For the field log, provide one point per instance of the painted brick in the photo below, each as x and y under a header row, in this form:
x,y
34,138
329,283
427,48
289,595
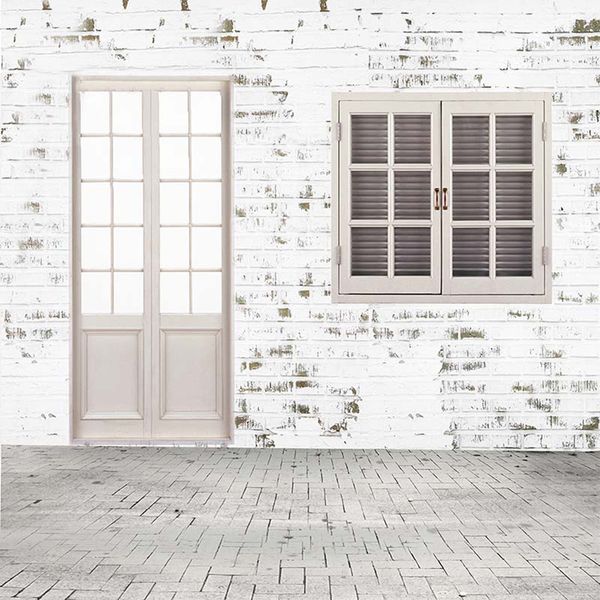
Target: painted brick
x,y
310,373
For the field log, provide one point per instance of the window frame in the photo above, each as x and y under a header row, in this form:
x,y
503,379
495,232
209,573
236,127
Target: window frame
x,y
340,262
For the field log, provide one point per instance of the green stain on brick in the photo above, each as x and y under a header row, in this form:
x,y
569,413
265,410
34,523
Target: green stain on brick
x,y
561,168
227,26
88,24
254,365
521,426
284,313
468,332
591,424
352,407
304,294
583,26
304,206
304,384
521,387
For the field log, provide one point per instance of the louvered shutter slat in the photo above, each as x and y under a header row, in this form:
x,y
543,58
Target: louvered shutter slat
x,y
513,252
412,139
471,196
369,251
514,193
369,195
470,252
470,140
513,139
369,139
412,251
412,193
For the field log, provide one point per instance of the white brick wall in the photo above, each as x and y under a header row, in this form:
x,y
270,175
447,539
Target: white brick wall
x,y
309,373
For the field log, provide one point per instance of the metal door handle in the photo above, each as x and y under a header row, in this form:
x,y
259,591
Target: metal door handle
x,y
436,203
445,202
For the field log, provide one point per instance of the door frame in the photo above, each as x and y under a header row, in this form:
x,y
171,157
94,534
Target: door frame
x,y
140,82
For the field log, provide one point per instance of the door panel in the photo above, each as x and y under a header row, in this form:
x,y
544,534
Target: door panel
x,y
390,229
151,260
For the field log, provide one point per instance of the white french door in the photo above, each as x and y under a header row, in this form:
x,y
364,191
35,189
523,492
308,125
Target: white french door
x,y
151,259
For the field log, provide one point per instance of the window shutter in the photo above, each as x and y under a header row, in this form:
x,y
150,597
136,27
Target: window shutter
x,y
389,165
494,225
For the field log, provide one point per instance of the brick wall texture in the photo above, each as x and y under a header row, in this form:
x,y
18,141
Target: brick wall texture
x,y
308,372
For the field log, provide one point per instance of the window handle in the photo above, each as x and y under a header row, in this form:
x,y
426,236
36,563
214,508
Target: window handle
x,y
445,202
436,203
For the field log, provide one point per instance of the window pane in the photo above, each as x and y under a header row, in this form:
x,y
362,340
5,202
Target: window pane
x,y
206,112
95,203
470,140
95,248
514,193
172,112
127,158
514,139
412,139
127,112
206,248
412,194
95,158
174,248
174,292
206,158
206,203
369,194
128,247
471,196
129,293
206,293
174,203
412,251
174,160
470,252
95,293
369,251
128,203
94,112
513,252
369,139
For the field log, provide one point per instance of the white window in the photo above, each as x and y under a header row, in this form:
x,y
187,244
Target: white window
x,y
441,197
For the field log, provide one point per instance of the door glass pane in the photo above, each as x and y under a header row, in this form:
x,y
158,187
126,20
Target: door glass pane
x,y
412,251
128,247
174,292
206,158
95,293
206,292
369,139
369,194
369,251
128,203
513,252
95,248
129,293
174,203
127,112
206,248
173,112
471,196
470,252
174,248
95,203
95,158
470,140
94,112
174,159
206,203
127,158
206,112
412,139
412,194
514,139
514,193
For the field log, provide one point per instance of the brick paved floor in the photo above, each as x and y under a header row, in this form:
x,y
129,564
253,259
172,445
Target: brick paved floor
x,y
187,523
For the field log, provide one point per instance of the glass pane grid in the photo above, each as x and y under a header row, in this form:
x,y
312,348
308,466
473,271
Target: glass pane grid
x,y
111,213
190,203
